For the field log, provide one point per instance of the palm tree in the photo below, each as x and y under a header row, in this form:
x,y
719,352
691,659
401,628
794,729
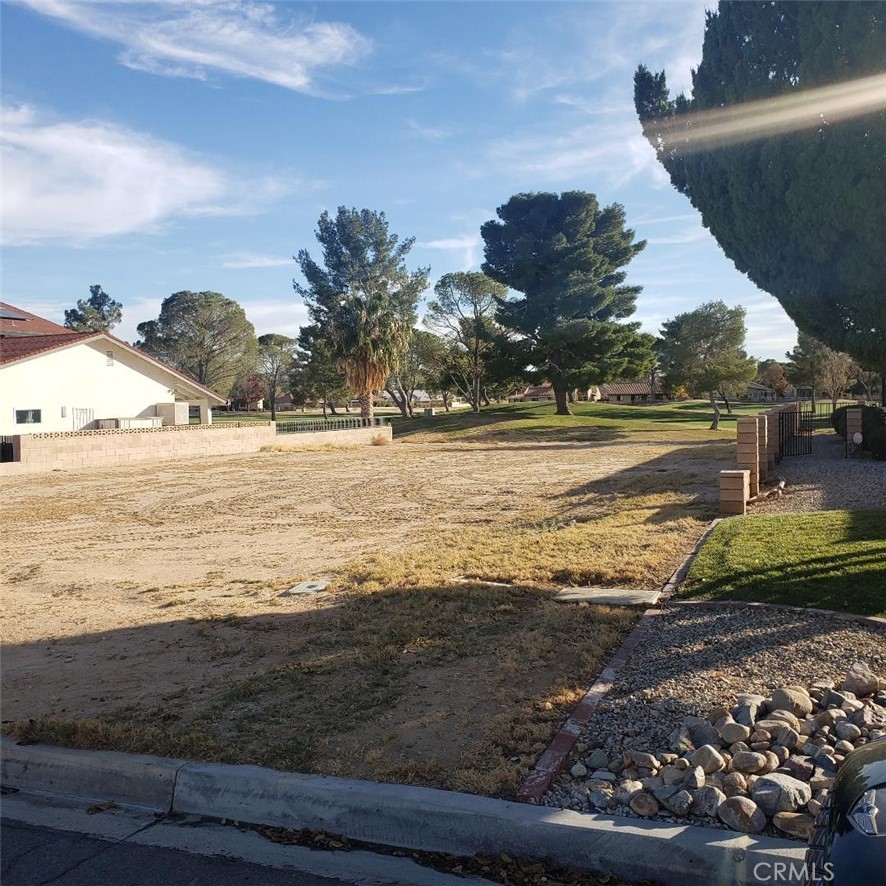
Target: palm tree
x,y
362,298
368,336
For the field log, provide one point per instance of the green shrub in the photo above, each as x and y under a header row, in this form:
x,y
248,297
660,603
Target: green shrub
x,y
873,428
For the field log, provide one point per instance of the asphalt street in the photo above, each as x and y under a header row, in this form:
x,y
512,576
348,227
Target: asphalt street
x,y
39,856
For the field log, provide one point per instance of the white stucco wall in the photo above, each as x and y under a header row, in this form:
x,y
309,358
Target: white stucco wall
x,y
76,378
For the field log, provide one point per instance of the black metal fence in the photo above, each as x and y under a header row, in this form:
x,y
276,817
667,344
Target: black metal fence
x,y
7,453
794,433
327,424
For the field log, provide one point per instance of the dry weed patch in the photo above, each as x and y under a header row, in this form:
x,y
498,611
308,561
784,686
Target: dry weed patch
x,y
160,628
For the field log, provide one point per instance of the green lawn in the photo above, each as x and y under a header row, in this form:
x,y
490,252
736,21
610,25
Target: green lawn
x,y
829,560
590,421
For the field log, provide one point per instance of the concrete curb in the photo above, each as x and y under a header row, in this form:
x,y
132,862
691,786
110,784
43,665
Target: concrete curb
x,y
146,782
403,816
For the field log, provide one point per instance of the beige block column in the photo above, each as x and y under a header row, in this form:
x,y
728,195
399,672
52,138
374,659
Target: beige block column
x,y
749,450
763,445
734,491
772,439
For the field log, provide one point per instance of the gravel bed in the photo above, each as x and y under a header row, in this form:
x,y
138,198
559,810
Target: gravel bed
x,y
826,481
700,657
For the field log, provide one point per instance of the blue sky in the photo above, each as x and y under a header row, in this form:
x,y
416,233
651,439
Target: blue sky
x,y
182,144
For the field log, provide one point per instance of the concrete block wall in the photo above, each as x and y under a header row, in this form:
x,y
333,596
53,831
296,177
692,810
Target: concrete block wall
x,y
80,450
748,455
734,491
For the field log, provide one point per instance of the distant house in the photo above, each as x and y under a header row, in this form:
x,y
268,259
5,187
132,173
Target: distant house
x,y
758,393
627,392
75,381
537,393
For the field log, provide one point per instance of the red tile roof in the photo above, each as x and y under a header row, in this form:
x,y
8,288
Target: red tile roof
x,y
18,347
626,387
27,323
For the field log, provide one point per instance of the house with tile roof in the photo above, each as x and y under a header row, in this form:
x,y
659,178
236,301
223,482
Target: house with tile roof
x,y
53,379
628,392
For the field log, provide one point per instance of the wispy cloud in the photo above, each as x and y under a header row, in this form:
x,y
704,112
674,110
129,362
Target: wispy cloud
x,y
80,181
429,133
192,38
238,260
614,151
691,234
467,246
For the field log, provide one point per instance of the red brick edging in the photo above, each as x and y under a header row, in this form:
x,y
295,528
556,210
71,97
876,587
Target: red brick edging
x,y
553,759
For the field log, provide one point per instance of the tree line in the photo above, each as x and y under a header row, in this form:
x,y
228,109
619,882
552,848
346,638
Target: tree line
x,y
550,304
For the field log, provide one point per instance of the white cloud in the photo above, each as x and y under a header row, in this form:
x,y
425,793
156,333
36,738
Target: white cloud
x,y
189,38
85,180
614,151
429,133
466,246
238,260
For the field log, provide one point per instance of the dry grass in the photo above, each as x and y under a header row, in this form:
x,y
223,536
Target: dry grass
x,y
165,632
362,689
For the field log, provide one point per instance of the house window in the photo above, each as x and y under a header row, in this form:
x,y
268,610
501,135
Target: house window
x,y
64,411
110,356
27,416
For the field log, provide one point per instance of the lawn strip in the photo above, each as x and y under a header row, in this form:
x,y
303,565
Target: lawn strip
x,y
826,560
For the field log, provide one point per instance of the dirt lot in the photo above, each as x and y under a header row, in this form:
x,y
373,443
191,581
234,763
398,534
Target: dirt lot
x,y
141,605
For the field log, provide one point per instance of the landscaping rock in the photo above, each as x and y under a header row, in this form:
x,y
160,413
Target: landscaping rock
x,y
579,770
797,824
644,805
602,775
741,814
792,698
872,716
748,762
799,767
709,758
598,759
706,801
785,717
846,730
860,680
732,732
694,778
778,792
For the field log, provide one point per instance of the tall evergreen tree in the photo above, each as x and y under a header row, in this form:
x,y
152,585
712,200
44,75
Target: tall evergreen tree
x,y
362,298
96,314
565,256
792,186
203,334
703,351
